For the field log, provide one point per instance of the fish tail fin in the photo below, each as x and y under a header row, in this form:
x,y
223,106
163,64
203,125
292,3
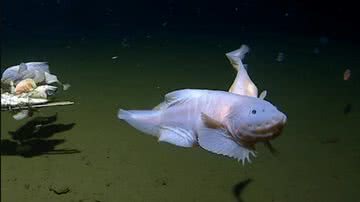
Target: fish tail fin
x,y
242,85
237,55
147,121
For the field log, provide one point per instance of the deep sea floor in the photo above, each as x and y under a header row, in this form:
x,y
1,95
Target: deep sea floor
x,y
87,154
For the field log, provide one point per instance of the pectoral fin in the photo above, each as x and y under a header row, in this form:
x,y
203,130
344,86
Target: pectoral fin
x,y
211,123
177,136
66,86
217,141
182,96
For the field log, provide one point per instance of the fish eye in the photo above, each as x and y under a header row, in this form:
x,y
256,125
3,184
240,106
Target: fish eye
x,y
253,111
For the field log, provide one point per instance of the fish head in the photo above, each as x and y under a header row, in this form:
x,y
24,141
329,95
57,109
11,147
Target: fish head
x,y
255,120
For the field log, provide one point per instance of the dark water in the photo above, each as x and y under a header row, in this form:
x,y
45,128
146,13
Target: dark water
x,y
89,155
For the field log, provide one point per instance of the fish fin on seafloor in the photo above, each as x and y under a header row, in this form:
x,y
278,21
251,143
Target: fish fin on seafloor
x,y
66,86
22,115
177,136
22,68
217,141
181,96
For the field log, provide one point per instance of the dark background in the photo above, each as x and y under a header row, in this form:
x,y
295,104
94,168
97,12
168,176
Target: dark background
x,y
330,18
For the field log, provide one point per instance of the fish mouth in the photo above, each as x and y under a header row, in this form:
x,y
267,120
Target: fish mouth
x,y
274,129
262,134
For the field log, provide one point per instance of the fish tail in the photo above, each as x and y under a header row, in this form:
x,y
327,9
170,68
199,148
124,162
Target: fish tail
x,y
147,121
237,55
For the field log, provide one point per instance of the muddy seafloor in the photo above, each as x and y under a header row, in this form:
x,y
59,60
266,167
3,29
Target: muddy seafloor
x,y
87,154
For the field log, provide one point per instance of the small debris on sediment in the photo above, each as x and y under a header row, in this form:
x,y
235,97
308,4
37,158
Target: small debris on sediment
x,y
280,57
163,181
59,190
88,163
347,74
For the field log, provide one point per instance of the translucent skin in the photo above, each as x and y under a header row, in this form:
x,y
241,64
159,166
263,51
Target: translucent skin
x,y
218,121
246,118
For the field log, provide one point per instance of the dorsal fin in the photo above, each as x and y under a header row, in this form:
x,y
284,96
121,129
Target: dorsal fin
x,y
179,97
263,95
160,106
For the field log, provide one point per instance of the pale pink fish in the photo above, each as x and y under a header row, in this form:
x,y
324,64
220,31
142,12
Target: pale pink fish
x,y
218,121
227,123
